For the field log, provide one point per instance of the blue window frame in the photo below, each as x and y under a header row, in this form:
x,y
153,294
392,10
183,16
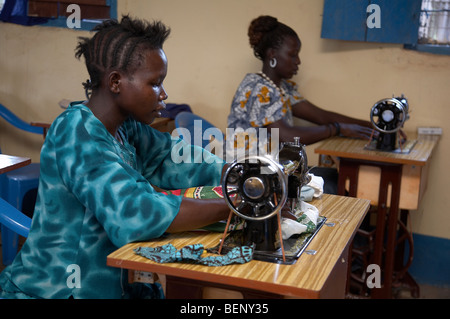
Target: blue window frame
x,y
398,22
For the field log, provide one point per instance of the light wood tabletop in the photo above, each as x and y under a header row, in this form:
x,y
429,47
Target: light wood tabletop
x,y
355,148
415,166
323,274
9,162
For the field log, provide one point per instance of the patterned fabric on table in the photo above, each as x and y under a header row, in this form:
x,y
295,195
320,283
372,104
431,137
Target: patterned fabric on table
x,y
193,253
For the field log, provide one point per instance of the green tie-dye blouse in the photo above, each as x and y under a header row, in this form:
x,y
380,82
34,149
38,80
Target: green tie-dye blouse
x,y
94,196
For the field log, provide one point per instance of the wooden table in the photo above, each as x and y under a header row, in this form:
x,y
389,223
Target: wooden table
x,y
9,162
414,167
163,124
322,275
391,181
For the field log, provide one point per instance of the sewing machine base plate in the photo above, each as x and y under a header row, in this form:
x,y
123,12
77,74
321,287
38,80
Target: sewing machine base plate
x,y
293,246
406,149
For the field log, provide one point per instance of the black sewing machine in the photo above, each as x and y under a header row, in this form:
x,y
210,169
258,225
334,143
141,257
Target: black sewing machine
x,y
256,189
388,117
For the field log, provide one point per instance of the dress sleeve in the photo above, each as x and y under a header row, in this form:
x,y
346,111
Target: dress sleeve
x,y
171,163
293,93
123,201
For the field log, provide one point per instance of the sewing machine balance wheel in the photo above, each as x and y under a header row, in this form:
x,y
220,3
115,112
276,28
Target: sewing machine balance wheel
x,y
255,188
388,115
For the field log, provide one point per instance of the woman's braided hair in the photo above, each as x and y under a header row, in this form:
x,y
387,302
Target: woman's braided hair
x,y
118,46
267,32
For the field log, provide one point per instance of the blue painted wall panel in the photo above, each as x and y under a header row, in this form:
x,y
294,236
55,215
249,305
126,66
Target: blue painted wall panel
x,y
344,20
399,22
347,20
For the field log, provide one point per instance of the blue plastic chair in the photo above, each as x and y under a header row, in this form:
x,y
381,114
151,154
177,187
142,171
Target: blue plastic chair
x,y
19,123
14,219
15,185
16,222
198,129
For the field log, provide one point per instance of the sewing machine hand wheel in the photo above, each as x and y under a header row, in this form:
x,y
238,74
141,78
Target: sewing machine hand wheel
x,y
255,188
388,115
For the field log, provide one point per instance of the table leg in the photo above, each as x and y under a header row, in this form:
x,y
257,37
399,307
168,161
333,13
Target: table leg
x,y
387,220
348,170
402,278
386,227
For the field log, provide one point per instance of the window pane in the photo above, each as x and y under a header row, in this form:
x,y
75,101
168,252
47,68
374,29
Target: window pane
x,y
434,22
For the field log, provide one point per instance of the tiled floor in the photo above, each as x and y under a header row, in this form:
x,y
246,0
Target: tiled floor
x,y
426,291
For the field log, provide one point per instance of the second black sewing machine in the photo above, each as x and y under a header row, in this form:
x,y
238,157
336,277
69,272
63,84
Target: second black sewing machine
x,y
388,117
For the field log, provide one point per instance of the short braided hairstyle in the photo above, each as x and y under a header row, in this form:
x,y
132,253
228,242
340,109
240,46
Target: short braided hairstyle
x,y
267,32
118,46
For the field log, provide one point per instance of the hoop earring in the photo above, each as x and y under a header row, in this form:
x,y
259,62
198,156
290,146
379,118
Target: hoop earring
x,y
273,63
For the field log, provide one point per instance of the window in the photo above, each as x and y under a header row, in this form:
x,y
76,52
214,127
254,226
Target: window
x,y
434,27
80,14
435,22
418,24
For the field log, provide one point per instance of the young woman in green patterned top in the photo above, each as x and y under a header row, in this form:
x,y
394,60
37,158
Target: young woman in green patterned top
x,y
99,165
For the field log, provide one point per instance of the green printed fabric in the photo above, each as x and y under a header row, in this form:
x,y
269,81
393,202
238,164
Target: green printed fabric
x,y
193,253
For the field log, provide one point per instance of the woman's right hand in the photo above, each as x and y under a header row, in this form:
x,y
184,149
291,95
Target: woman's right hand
x,y
357,131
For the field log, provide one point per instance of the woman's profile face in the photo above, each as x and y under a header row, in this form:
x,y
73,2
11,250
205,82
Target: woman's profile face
x,y
287,56
143,92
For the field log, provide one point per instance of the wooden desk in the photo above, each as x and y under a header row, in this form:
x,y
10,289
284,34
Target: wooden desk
x,y
414,167
163,124
323,275
388,180
9,163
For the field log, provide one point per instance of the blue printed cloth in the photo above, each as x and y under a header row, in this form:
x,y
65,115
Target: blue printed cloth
x,y
193,253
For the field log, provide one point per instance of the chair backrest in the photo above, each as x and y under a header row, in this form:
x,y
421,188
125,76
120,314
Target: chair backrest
x,y
198,129
13,119
14,219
